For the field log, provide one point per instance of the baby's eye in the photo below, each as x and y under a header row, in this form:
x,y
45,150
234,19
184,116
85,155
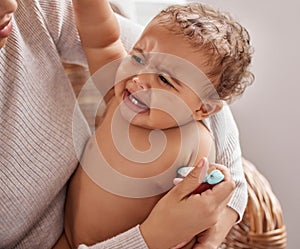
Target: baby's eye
x,y
137,59
165,81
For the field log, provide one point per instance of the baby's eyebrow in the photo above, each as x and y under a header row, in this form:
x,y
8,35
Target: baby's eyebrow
x,y
163,69
139,50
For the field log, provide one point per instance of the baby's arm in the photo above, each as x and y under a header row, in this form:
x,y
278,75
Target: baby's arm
x,y
99,32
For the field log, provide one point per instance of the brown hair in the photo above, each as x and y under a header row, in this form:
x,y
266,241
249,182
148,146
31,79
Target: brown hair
x,y
223,41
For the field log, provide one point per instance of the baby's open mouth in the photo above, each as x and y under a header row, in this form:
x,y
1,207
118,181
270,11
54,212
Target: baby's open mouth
x,y
5,24
134,103
6,29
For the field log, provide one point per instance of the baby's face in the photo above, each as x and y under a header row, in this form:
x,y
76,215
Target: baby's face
x,y
161,83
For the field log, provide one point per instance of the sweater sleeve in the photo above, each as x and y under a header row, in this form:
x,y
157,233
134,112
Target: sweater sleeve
x,y
228,153
60,21
131,239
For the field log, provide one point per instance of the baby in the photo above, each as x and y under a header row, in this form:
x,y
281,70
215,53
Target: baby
x,y
187,62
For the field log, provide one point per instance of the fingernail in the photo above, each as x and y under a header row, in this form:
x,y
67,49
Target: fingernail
x,y
184,171
177,180
202,162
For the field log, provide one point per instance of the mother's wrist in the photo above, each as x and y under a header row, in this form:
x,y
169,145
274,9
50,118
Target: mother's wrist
x,y
152,236
147,235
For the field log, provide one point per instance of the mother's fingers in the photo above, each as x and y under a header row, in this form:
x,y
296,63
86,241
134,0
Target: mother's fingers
x,y
191,181
221,193
223,169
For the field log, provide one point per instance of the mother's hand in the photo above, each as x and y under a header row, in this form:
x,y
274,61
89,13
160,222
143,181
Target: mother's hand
x,y
179,216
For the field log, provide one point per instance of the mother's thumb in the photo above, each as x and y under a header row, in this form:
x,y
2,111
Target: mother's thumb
x,y
192,180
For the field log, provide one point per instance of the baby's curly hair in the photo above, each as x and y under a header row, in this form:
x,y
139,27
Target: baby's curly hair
x,y
223,41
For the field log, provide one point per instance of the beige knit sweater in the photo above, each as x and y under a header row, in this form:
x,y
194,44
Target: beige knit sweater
x,y
38,115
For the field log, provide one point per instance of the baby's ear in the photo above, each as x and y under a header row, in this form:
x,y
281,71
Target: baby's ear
x,y
207,109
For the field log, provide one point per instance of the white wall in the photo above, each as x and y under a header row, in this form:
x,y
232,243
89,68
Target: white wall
x,y
268,114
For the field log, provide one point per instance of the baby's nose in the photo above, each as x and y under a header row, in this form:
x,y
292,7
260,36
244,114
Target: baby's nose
x,y
142,82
